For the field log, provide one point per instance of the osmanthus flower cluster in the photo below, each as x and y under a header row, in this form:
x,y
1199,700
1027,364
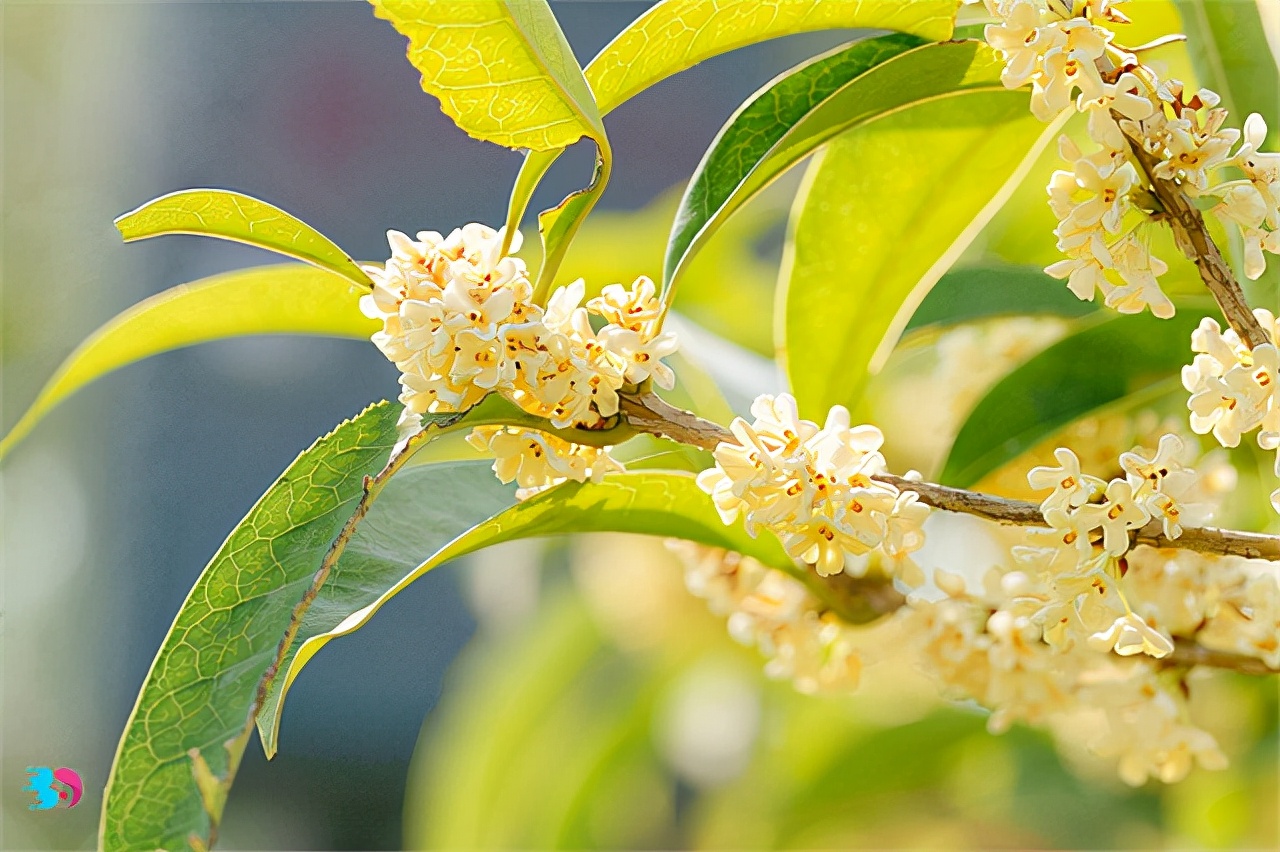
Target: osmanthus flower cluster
x,y
1067,630
1093,513
459,322
1067,52
1065,627
1233,388
800,639
1093,520
813,488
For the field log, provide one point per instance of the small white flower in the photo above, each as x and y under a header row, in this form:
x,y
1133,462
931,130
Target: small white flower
x,y
1150,473
1068,67
642,358
1139,269
1129,635
1125,97
635,309
1022,40
1071,488
1117,516
1085,276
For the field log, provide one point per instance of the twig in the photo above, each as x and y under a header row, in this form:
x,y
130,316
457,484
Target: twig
x,y
1192,236
1187,653
860,600
649,413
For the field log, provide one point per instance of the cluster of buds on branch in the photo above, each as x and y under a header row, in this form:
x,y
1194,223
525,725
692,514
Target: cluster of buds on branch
x,y
459,322
813,488
1105,201
1234,388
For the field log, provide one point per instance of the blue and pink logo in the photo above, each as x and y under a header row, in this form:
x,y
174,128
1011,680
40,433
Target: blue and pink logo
x,y
53,788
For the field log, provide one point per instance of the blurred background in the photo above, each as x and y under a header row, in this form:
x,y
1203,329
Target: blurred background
x,y
561,693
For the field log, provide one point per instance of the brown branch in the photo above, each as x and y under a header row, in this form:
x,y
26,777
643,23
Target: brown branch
x,y
650,413
1192,236
1187,653
864,599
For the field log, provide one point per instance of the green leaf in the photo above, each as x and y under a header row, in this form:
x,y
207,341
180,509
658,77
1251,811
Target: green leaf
x,y
420,511
188,730
281,299
652,502
675,35
558,226
741,159
668,504
678,34
1228,47
232,216
791,117
884,211
503,71
980,292
1106,361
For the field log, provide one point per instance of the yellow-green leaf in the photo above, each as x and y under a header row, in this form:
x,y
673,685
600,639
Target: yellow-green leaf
x,y
428,509
675,35
678,34
187,732
503,71
280,299
558,226
884,212
233,216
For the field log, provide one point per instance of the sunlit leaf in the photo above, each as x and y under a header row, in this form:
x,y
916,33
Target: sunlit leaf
x,y
503,71
558,225
658,503
1107,360
194,713
796,113
885,210
233,216
282,299
675,35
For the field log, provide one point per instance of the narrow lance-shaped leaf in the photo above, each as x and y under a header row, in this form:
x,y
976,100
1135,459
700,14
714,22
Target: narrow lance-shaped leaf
x,y
982,292
884,211
788,119
675,35
187,732
234,216
503,71
281,299
373,570
1099,365
558,226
